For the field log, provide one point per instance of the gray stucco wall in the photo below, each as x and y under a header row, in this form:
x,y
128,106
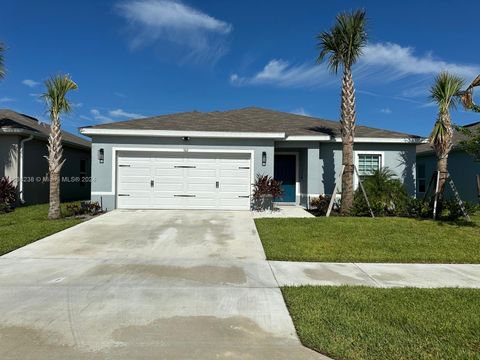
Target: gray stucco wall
x,y
9,156
319,163
102,173
463,169
400,158
35,190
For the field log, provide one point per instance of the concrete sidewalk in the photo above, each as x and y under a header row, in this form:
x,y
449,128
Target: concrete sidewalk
x,y
377,275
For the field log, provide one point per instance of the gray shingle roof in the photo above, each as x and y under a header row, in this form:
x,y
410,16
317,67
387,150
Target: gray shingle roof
x,y
250,119
13,122
457,138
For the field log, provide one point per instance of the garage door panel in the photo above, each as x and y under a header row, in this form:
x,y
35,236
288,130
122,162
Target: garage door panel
x,y
184,174
235,173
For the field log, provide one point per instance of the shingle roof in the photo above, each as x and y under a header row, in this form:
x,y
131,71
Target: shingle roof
x,y
250,119
457,138
13,122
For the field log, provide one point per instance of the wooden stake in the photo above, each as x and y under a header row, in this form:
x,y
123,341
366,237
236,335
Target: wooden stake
x,y
363,191
335,189
436,196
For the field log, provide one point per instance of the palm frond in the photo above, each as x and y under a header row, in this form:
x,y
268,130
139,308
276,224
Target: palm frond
x,y
445,90
55,97
344,43
467,96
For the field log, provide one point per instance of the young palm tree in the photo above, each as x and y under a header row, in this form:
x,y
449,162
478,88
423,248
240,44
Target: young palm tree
x,y
57,103
343,46
2,64
445,93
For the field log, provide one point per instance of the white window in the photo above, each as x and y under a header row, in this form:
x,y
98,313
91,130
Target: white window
x,y
367,164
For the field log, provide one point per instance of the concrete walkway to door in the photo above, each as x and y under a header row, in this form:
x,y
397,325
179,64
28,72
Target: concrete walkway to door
x,y
146,285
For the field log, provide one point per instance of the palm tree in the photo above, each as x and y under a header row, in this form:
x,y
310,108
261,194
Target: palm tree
x,y
343,46
57,103
2,64
445,93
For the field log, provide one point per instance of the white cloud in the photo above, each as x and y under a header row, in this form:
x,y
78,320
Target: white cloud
x,y
6,99
402,61
119,94
153,21
281,73
98,116
30,83
300,111
386,111
380,63
37,97
122,113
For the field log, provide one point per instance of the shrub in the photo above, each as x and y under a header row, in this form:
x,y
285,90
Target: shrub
x,y
386,194
8,194
319,205
265,189
84,208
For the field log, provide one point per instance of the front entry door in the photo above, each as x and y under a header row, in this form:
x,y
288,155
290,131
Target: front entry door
x,y
285,171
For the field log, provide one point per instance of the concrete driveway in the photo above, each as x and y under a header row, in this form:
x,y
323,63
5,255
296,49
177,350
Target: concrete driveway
x,y
146,284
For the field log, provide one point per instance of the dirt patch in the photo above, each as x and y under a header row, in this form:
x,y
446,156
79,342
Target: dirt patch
x,y
19,342
203,273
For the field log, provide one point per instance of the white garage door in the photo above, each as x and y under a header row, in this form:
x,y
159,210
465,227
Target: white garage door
x,y
183,181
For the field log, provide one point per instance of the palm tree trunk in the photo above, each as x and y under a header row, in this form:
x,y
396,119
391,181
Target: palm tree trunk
x,y
348,132
55,164
443,149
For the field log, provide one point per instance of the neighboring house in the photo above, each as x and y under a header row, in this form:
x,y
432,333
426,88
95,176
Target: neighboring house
x,y
23,145
198,160
463,168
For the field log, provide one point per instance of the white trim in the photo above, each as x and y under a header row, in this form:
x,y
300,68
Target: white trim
x,y
297,174
386,140
115,150
308,138
176,133
366,152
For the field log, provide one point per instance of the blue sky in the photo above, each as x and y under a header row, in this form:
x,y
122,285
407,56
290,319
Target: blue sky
x,y
136,58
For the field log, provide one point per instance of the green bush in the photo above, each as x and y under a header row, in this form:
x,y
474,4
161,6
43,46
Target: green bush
x,y
386,194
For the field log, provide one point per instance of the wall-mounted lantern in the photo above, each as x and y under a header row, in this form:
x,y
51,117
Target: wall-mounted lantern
x,y
101,156
264,158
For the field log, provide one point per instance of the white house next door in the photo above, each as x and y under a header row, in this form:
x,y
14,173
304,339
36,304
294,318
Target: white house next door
x,y
171,180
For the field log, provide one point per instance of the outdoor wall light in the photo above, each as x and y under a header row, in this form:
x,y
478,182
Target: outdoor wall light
x,y
101,156
264,158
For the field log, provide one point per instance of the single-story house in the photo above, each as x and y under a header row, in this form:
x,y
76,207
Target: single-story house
x,y
463,169
23,145
208,160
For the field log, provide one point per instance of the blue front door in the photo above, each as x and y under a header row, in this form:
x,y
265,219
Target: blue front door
x,y
284,171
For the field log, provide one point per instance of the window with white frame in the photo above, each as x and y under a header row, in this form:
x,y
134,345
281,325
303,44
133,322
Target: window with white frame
x,y
368,164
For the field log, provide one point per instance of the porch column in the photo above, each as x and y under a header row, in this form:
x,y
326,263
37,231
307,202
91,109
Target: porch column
x,y
314,170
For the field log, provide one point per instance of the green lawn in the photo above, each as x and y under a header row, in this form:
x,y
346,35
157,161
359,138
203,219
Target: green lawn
x,y
349,239
353,323
28,224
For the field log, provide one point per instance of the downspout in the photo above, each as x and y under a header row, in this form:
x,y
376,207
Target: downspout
x,y
20,181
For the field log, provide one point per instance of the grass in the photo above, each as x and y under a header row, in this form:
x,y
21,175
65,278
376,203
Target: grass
x,y
343,239
405,323
28,224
